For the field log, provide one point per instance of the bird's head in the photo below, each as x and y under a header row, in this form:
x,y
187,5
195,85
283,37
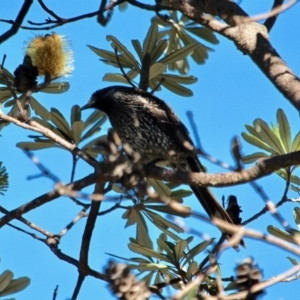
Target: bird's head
x,y
101,100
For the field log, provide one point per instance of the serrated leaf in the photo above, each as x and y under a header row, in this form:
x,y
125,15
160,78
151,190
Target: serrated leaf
x,y
16,286
296,143
36,145
142,234
297,216
150,40
77,128
248,159
147,252
268,136
179,54
176,88
60,122
256,142
158,50
121,48
156,69
75,114
5,278
283,235
284,129
179,249
159,187
56,88
138,48
293,261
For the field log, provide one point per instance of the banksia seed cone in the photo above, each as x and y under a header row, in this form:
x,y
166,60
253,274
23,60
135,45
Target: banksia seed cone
x,y
124,284
247,276
51,54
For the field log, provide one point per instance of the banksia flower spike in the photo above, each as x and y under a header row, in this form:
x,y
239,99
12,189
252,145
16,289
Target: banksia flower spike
x,y
52,55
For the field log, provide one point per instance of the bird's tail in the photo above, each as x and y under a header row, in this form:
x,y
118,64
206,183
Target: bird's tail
x,y
210,204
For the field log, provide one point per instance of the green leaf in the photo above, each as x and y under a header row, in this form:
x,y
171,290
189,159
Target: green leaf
x,y
252,131
16,286
56,88
164,246
150,40
111,57
94,142
179,54
37,145
77,128
293,261
296,143
148,252
160,221
121,48
8,75
158,50
268,136
176,88
75,114
95,129
179,249
297,216
138,48
203,33
142,234
256,142
5,278
284,130
169,210
198,249
192,269
115,77
181,193
93,117
180,78
3,179
280,234
5,94
159,187
248,159
156,69
60,122
39,109
131,216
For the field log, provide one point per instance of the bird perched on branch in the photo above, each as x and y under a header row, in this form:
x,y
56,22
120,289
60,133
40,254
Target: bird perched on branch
x,y
150,128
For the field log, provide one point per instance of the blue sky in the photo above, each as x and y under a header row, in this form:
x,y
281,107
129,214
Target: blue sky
x,y
230,92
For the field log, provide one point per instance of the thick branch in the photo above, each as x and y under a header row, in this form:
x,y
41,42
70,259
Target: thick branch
x,y
262,168
250,37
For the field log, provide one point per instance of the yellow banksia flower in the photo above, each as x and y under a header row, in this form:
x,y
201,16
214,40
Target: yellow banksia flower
x,y
52,55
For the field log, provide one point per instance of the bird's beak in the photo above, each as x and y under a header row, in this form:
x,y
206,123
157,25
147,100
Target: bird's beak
x,y
88,105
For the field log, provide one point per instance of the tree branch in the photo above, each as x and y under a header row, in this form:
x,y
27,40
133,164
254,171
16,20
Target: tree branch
x,y
18,21
250,37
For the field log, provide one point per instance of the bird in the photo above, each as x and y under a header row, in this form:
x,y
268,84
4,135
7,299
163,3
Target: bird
x,y
150,127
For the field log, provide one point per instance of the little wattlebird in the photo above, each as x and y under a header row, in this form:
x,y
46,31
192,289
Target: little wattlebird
x,y
150,128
